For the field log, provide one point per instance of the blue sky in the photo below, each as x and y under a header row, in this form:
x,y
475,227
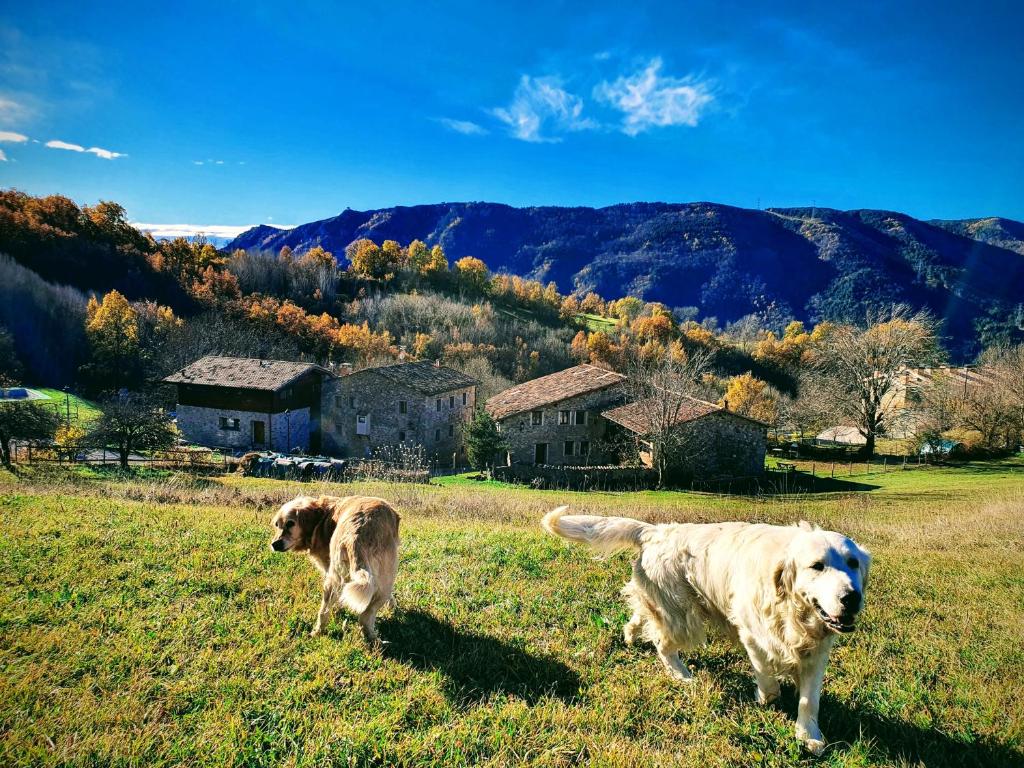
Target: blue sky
x,y
236,114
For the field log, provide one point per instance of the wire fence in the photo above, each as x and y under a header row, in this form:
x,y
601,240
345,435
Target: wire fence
x,y
180,458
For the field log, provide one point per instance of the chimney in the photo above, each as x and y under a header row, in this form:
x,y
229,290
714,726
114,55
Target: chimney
x,y
401,353
437,363
344,369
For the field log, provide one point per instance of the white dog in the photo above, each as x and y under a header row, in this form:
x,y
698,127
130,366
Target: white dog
x,y
782,592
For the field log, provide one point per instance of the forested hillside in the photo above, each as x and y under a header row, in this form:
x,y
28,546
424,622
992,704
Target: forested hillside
x,y
761,268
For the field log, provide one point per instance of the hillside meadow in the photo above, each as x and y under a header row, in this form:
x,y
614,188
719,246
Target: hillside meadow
x,y
145,621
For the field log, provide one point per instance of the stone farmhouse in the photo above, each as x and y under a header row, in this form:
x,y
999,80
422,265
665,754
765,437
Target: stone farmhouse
x,y
556,419
713,442
417,403
581,416
243,403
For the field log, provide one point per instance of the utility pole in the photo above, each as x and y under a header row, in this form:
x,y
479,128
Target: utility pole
x,y
67,406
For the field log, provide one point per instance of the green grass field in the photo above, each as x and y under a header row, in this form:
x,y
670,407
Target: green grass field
x,y
596,322
82,410
146,622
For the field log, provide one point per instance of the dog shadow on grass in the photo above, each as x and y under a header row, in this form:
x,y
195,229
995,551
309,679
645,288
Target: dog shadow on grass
x,y
889,739
475,666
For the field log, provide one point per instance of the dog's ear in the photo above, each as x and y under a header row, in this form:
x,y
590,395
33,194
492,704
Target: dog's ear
x,y
803,525
309,513
783,576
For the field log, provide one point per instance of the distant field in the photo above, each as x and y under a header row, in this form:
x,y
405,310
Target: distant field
x,y
146,622
595,322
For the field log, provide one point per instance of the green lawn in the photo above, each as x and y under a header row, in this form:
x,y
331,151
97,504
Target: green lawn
x,y
146,622
82,410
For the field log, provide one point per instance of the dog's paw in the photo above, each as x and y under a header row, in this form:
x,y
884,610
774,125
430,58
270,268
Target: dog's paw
x,y
814,746
812,739
764,698
681,675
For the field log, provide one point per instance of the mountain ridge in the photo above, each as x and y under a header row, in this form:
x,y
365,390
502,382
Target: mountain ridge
x,y
717,260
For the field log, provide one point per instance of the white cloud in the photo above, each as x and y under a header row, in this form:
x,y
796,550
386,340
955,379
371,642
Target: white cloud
x,y
541,109
648,99
54,144
3,156
17,138
465,127
192,230
106,154
197,162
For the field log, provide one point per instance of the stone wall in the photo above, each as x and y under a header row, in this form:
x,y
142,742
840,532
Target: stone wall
x,y
585,478
201,426
377,399
522,435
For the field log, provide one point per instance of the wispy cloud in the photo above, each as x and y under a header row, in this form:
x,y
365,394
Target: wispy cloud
x,y
465,127
16,138
3,156
541,109
649,99
13,112
106,154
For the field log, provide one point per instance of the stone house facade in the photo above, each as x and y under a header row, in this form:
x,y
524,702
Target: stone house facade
x,y
710,442
243,404
418,403
556,419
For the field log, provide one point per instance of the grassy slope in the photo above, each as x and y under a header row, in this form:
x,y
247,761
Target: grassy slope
x,y
86,410
147,622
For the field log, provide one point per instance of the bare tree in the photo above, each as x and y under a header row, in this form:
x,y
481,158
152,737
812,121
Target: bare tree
x,y
1005,366
860,366
809,411
25,421
662,389
130,423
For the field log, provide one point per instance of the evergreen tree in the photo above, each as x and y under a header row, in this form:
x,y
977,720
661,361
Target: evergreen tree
x,y
483,440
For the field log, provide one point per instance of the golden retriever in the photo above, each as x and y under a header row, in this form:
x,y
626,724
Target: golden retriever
x,y
783,593
353,541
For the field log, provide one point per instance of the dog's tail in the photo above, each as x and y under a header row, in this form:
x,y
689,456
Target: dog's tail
x,y
360,586
359,590
606,534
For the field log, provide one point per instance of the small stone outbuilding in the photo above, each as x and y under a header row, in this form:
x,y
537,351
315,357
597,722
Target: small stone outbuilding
x,y
711,442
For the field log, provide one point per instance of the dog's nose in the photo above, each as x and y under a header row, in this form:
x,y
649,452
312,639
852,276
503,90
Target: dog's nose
x,y
277,545
851,602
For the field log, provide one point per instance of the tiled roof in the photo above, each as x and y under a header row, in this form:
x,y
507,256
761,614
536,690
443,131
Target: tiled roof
x,y
638,416
242,372
424,376
551,389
